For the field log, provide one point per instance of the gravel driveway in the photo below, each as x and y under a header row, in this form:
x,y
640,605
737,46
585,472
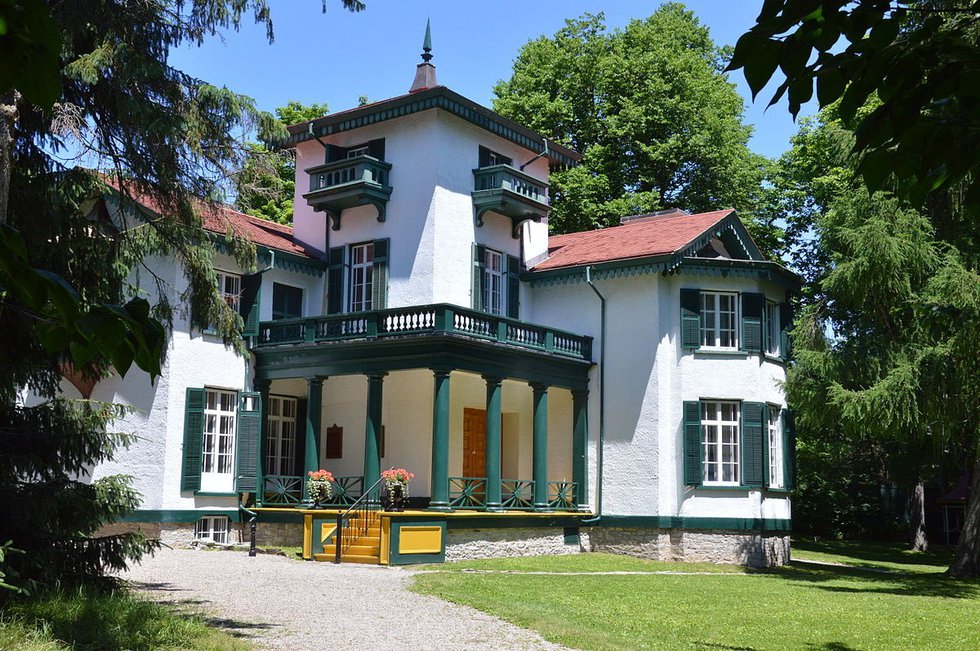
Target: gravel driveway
x,y
280,603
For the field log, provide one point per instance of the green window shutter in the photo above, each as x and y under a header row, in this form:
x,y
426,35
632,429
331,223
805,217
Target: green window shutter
x,y
248,438
785,325
379,286
753,307
335,281
690,319
479,262
190,472
250,303
513,287
376,148
753,446
693,473
300,438
789,449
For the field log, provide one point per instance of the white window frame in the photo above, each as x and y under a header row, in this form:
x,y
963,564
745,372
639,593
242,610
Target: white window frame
x,y
281,444
713,335
772,329
494,281
361,282
363,150
230,288
213,528
218,440
774,439
715,444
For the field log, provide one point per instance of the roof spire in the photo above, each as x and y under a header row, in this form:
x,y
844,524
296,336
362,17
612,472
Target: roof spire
x,y
425,72
427,43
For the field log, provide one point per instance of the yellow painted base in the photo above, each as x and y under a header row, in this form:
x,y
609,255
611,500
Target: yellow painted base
x,y
419,539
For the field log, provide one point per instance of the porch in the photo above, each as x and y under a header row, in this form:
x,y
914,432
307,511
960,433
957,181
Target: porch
x,y
490,413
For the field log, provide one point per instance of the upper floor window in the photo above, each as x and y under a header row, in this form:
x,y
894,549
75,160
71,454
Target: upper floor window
x,y
774,435
720,441
773,333
493,282
719,322
230,288
287,301
358,277
358,151
361,277
488,157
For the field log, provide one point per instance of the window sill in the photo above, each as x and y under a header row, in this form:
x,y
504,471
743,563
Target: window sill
x,y
780,491
728,489
721,352
213,494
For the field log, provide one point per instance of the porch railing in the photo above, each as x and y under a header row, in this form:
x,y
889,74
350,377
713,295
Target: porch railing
x,y
357,520
561,495
517,493
468,492
287,490
425,320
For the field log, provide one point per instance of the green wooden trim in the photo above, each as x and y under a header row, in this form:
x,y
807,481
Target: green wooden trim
x,y
692,442
779,491
721,353
214,494
290,261
192,452
396,558
438,97
177,516
696,523
494,441
439,489
754,450
512,521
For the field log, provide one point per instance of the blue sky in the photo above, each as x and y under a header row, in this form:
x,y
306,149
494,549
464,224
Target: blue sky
x,y
338,56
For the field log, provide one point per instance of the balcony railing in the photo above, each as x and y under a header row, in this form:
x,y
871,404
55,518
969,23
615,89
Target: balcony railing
x,y
509,192
505,177
425,320
358,181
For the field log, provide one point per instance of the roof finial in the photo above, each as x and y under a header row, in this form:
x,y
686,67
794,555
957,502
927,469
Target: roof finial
x,y
427,43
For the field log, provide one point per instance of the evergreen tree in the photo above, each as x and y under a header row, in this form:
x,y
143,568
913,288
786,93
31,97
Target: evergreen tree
x,y
160,138
648,107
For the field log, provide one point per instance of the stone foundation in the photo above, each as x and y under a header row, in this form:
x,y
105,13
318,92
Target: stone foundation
x,y
278,534
468,544
749,548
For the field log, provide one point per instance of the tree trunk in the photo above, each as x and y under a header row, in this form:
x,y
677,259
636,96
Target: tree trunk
x,y
966,563
917,519
8,115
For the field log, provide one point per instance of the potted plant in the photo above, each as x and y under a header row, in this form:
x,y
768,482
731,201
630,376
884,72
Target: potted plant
x,y
396,487
319,488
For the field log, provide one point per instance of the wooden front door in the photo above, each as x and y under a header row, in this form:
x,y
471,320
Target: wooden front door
x,y
474,442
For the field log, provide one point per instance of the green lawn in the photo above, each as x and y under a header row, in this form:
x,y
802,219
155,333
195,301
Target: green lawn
x,y
89,621
909,605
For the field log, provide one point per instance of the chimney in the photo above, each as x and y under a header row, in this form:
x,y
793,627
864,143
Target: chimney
x,y
425,72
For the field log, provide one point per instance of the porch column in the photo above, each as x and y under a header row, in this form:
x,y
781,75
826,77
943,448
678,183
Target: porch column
x,y
314,404
372,430
439,499
493,442
540,446
262,387
580,442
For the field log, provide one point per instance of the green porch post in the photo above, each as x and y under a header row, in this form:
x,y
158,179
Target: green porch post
x,y
540,446
439,496
372,430
493,442
262,387
314,405
580,441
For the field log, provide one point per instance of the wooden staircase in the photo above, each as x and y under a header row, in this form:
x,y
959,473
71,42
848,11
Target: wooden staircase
x,y
365,549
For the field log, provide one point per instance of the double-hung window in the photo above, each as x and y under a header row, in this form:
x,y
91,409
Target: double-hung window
x,y
773,332
720,441
719,320
281,451
361,277
493,282
230,288
775,441
218,449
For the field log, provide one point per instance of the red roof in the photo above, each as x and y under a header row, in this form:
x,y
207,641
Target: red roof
x,y
217,219
646,237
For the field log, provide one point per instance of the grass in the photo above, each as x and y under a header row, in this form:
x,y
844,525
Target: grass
x,y
91,621
801,606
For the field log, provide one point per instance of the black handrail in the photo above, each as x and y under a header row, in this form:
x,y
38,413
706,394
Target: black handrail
x,y
364,516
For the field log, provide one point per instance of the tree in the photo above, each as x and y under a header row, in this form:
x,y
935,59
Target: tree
x,y
160,138
890,390
650,110
919,58
266,184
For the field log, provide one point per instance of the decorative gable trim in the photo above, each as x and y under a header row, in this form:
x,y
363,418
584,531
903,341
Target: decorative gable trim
x,y
731,225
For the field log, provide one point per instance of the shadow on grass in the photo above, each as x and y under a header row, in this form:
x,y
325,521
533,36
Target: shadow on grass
x,y
875,552
830,646
866,580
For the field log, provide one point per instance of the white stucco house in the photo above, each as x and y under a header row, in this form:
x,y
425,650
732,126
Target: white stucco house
x,y
616,389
